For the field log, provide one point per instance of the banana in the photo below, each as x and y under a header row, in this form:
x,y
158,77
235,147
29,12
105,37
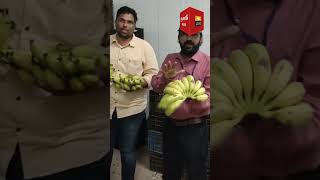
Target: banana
x,y
226,72
86,65
89,80
23,60
190,78
162,103
25,76
85,51
172,91
261,67
185,82
279,79
170,99
202,97
39,75
221,86
191,89
55,65
200,92
295,115
174,85
181,85
217,97
221,131
221,112
241,64
173,107
54,81
290,95
76,84
197,86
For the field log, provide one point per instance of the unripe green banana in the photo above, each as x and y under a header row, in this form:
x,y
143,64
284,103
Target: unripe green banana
x,y
242,66
171,99
76,84
85,51
222,111
173,107
261,67
223,69
23,59
181,85
89,80
217,97
86,65
197,86
201,91
175,85
295,115
279,79
185,82
190,78
290,95
39,75
172,91
54,81
202,97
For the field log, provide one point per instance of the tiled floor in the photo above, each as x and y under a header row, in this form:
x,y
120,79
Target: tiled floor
x,y
142,169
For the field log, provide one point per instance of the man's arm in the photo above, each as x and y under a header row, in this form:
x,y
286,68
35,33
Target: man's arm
x,y
150,66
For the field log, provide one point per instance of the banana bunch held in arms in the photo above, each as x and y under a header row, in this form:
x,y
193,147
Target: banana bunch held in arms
x,y
245,84
125,82
58,68
177,91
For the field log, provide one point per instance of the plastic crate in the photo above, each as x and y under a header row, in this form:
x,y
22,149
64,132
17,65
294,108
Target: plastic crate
x,y
155,122
155,142
156,162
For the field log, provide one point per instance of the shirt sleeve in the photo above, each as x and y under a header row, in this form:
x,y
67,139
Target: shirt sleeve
x,y
150,66
159,82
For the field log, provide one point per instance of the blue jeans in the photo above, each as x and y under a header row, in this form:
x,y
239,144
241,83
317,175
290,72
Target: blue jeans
x,y
125,131
185,145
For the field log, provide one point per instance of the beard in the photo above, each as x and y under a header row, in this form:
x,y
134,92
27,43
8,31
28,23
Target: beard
x,y
124,36
189,50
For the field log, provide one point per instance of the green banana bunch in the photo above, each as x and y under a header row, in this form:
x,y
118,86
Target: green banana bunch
x,y
177,91
124,81
58,68
245,83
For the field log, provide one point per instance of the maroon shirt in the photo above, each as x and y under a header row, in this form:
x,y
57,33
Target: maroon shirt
x,y
266,148
199,67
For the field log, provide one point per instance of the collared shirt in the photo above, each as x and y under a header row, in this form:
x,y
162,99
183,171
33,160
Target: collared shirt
x,y
269,150
199,67
55,133
137,58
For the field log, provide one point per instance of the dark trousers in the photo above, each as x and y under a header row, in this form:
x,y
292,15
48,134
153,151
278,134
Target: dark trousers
x,y
125,131
306,175
95,170
185,145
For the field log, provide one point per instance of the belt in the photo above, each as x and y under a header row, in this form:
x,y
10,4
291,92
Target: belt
x,y
190,121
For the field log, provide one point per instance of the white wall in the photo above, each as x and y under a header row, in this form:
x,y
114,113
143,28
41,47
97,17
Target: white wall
x,y
160,21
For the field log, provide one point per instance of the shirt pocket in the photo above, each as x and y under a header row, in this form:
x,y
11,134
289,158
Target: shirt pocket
x,y
134,66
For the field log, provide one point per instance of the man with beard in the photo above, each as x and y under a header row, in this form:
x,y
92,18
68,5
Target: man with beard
x,y
258,148
185,133
131,55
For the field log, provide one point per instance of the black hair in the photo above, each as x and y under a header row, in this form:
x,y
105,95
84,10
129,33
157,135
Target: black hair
x,y
127,10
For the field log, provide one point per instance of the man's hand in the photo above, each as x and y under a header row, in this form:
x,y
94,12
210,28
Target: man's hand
x,y
225,34
170,71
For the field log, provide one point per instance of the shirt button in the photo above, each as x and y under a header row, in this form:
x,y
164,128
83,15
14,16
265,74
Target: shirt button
x,y
18,98
27,28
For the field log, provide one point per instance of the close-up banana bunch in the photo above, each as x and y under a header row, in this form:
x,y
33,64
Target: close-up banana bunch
x,y
246,84
125,82
177,91
57,68
7,27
